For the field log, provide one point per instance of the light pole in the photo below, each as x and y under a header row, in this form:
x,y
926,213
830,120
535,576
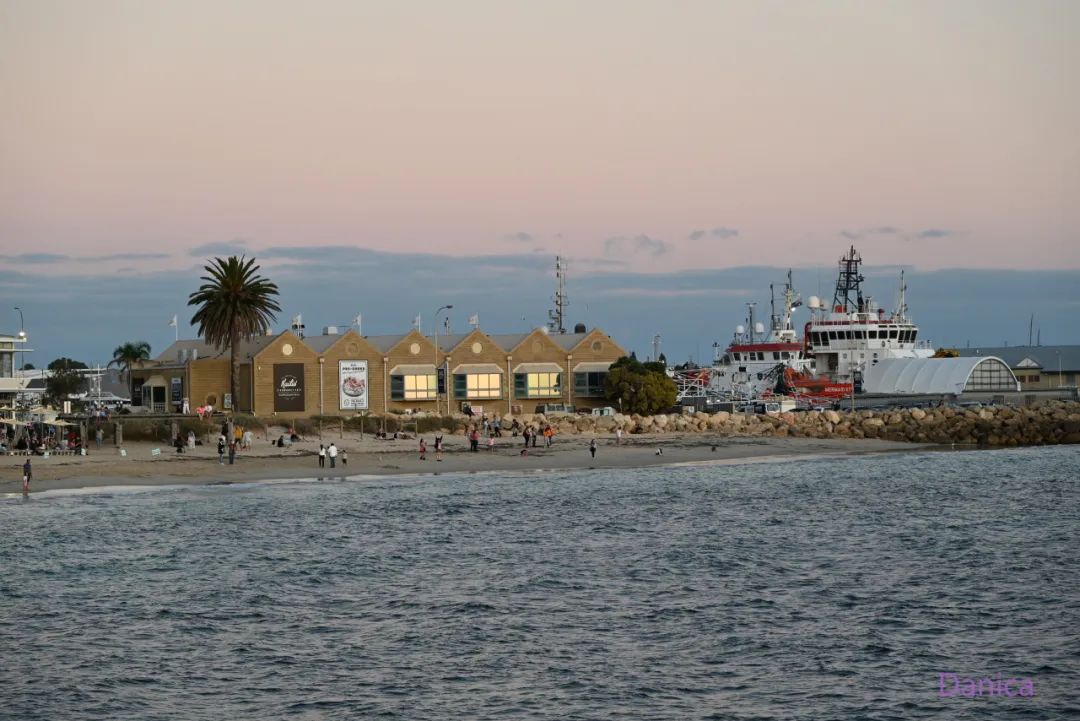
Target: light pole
x,y
22,335
440,310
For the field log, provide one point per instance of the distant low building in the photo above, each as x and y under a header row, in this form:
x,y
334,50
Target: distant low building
x,y
11,385
1040,367
346,373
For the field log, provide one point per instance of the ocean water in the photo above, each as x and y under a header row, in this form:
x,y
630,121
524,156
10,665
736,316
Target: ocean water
x,y
829,588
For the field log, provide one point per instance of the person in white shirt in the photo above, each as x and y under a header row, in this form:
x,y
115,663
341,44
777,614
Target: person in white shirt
x,y
332,452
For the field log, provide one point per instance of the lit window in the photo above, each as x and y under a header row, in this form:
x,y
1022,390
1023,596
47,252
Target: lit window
x,y
477,385
536,385
412,387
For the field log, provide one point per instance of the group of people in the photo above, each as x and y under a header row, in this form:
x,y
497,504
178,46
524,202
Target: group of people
x,y
38,444
332,453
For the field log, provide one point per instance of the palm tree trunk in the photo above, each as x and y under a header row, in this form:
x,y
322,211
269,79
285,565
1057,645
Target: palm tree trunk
x,y
234,367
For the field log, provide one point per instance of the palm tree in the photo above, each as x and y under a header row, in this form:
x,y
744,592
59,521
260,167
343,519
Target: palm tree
x,y
234,303
127,355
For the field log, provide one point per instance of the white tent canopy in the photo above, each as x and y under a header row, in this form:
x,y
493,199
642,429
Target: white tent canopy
x,y
916,376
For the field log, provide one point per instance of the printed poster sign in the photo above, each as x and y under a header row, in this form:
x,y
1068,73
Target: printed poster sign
x,y
288,387
353,385
177,387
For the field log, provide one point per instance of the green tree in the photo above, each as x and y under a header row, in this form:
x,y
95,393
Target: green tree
x,y
642,388
28,366
66,364
62,384
234,303
127,355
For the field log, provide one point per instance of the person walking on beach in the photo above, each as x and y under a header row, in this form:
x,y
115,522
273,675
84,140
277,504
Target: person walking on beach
x,y
423,449
332,453
525,434
618,436
221,449
322,456
592,448
438,448
474,440
27,476
232,453
99,436
491,441
344,457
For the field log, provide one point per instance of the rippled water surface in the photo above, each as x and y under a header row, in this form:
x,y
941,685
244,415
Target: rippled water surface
x,y
809,589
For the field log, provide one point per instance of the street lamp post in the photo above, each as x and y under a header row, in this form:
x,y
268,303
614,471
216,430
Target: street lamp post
x,y
436,316
22,335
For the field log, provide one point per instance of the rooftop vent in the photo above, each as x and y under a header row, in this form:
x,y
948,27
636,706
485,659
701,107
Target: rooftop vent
x,y
330,330
579,328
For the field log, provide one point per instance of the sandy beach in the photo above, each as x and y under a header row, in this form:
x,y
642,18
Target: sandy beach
x,y
370,456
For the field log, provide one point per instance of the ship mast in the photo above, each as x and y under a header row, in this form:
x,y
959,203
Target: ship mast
x,y
849,281
901,305
556,315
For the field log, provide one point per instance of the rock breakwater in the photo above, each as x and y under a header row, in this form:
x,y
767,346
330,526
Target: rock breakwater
x,y
1050,422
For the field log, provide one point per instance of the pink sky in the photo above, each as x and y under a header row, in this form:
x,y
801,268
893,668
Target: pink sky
x,y
446,127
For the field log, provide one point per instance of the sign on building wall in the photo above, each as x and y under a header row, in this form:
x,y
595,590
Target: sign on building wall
x,y
288,387
353,385
177,390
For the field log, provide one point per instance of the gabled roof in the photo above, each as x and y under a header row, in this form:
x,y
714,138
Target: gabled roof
x,y
248,348
1045,356
569,341
385,342
320,343
458,340
509,341
448,343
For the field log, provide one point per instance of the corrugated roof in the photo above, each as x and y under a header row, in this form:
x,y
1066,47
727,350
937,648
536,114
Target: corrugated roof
x,y
1044,356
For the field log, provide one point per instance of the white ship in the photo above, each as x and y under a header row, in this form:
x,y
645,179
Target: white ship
x,y
839,342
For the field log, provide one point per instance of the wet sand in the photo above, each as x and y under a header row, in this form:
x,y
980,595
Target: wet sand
x,y
369,456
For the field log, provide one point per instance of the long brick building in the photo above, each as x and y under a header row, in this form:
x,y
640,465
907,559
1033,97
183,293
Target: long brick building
x,y
345,373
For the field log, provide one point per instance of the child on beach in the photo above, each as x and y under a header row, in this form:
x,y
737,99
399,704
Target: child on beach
x,y
592,447
491,442
438,448
27,476
344,457
423,449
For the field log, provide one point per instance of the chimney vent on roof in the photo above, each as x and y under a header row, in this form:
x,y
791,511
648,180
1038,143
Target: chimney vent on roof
x,y
579,328
194,354
181,355
330,330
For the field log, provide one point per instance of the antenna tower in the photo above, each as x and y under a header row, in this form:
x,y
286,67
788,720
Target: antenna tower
x,y
557,314
849,281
